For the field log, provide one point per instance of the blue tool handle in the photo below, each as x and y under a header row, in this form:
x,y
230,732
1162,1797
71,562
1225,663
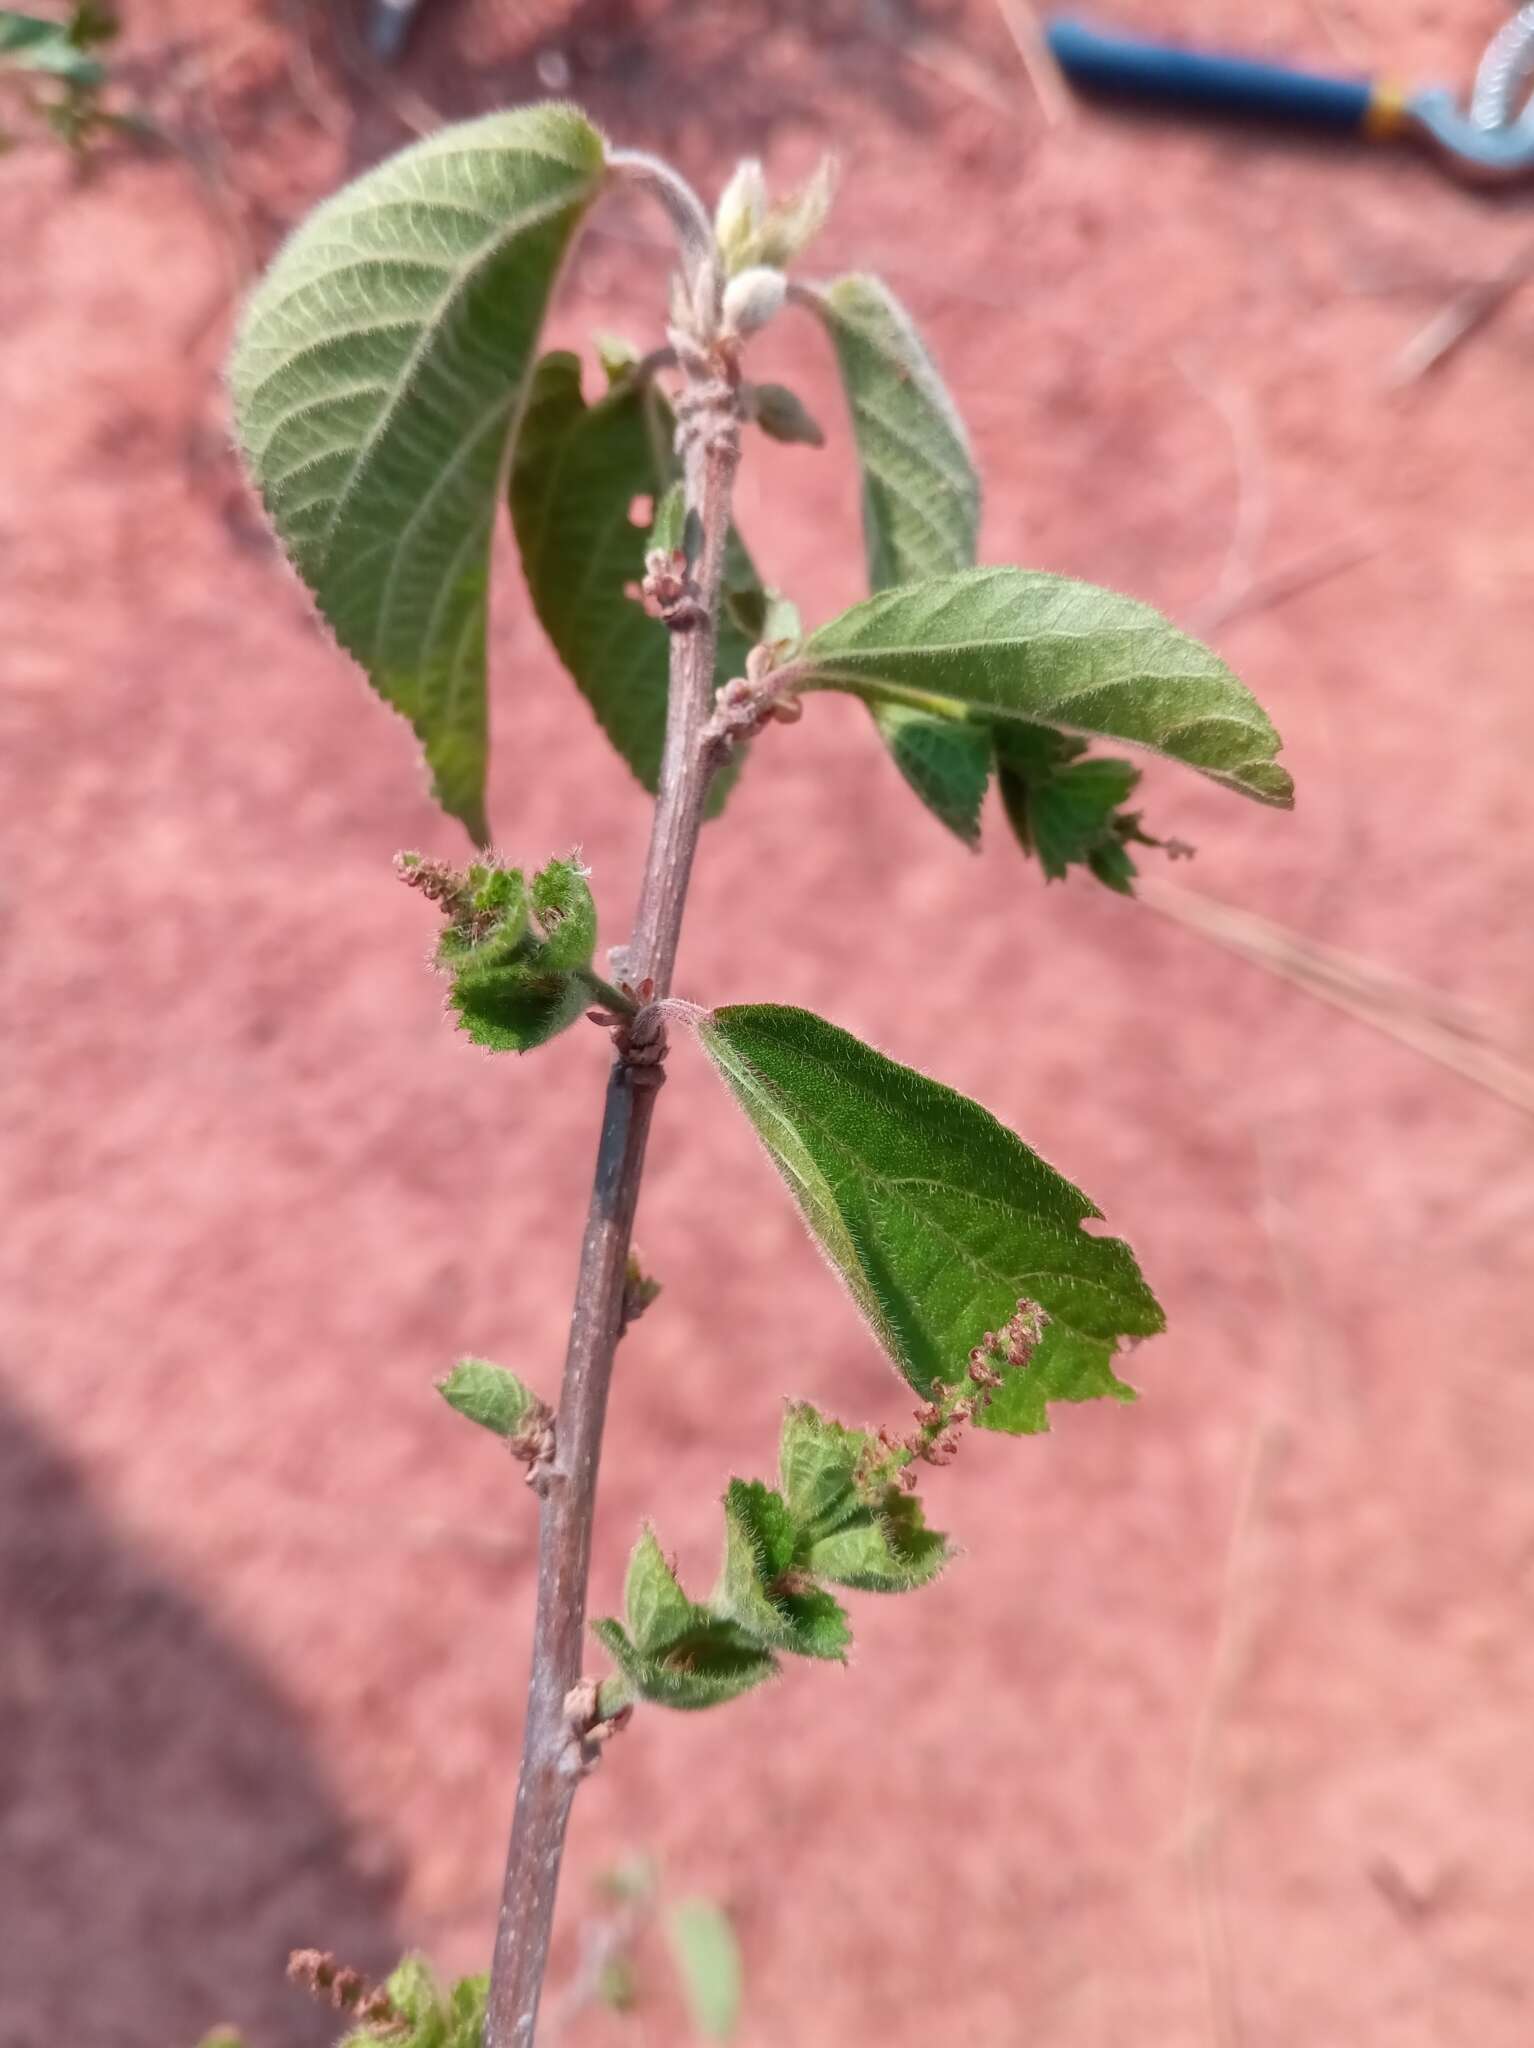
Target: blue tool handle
x,y
1159,74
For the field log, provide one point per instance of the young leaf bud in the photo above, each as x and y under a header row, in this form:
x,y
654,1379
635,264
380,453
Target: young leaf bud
x,y
739,214
752,298
794,222
783,415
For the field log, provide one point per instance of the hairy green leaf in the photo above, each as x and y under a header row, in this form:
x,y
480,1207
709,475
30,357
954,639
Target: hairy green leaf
x,y
1067,810
936,1216
1019,644
577,472
673,1651
856,1528
657,1609
707,1958
886,1548
945,760
489,1395
921,514
764,1587
378,378
819,1461
516,956
921,495
566,915
708,1663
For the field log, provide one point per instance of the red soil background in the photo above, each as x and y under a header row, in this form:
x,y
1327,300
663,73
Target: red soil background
x,y
1218,1733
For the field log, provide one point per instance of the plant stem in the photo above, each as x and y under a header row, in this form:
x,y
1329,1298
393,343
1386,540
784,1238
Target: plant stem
x,y
555,1752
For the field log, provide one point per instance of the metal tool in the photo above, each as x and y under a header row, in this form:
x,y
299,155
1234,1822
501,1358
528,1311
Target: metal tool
x,y
1488,142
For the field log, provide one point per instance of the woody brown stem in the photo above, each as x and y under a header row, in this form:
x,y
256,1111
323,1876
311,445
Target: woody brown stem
x,y
557,1744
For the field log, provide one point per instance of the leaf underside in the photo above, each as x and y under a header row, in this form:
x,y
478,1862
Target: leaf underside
x,y
575,476
378,378
1021,644
938,1219
1066,810
921,515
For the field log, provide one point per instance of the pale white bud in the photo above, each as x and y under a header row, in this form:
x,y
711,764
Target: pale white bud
x,y
794,222
739,213
752,298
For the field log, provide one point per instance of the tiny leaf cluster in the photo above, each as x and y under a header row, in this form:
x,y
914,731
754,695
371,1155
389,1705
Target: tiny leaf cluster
x,y
517,955
838,1517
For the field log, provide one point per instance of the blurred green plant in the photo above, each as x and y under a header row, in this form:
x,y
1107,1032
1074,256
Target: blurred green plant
x,y
391,401
54,71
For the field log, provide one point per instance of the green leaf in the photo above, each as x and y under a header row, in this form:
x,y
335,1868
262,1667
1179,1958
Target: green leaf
x,y
32,43
668,528
946,762
882,1549
378,379
516,1009
566,914
657,1609
1064,809
762,1587
818,1462
412,1986
674,1652
921,496
707,1958
1019,644
489,1395
466,2012
577,472
938,1218
713,1661
515,987
921,512
856,1530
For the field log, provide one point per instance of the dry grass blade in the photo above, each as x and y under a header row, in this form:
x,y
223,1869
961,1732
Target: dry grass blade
x,y
1430,1022
1039,61
1471,309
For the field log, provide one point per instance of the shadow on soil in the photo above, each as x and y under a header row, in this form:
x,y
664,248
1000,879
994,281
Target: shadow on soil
x,y
165,1837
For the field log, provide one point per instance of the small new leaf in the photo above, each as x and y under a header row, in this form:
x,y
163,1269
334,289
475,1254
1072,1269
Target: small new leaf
x,y
818,1463
938,1219
711,1662
886,1548
1008,644
674,1652
1067,810
516,956
378,379
565,914
575,476
669,526
489,1395
946,761
657,1609
765,1587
